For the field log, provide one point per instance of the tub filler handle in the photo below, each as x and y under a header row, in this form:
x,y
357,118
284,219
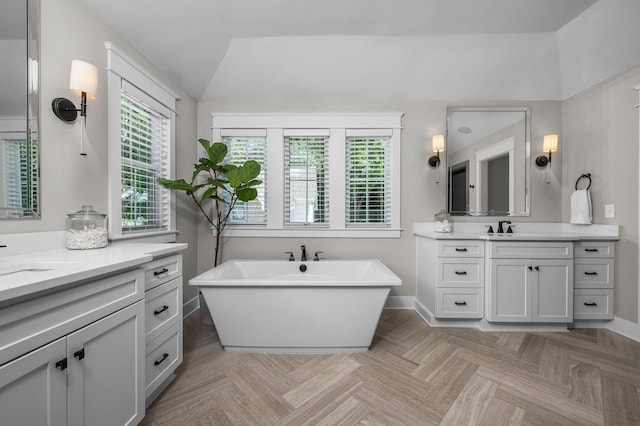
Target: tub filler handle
x,y
316,257
290,253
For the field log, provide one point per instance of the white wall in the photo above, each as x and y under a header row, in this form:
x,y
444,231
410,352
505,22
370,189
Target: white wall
x,y
421,196
69,31
600,136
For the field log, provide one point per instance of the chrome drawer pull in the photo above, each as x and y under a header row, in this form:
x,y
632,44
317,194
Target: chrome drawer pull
x,y
62,364
461,249
160,272
591,249
161,310
460,303
590,304
591,273
160,361
461,272
79,355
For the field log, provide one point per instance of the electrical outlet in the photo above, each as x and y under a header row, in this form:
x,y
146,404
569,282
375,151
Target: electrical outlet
x,y
609,211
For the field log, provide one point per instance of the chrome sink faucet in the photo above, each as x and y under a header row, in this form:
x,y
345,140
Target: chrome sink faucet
x,y
303,258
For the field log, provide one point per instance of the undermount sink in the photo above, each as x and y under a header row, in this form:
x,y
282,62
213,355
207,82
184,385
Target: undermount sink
x,y
32,267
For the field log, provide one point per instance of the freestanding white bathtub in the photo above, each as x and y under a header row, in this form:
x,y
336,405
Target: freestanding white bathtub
x,y
272,306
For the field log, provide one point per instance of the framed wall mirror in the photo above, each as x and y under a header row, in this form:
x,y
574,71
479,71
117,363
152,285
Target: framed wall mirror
x,y
487,161
19,109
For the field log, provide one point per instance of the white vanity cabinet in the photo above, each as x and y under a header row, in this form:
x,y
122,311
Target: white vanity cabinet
x,y
163,323
530,282
75,356
451,277
594,279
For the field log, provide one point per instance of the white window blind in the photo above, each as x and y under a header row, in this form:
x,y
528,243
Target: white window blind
x,y
145,142
20,163
306,180
241,149
368,181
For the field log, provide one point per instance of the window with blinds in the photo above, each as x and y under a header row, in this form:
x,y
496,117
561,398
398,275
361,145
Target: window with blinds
x,y
145,139
368,181
241,149
306,180
20,164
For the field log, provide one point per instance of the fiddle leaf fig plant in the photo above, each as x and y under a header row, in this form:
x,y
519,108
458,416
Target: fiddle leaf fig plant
x,y
222,183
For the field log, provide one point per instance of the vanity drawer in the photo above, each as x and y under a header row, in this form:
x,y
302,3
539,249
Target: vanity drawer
x,y
593,273
456,272
162,270
163,307
459,302
460,248
592,304
589,249
529,250
163,355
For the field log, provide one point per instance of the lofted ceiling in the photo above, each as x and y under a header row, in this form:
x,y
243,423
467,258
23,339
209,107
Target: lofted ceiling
x,y
223,49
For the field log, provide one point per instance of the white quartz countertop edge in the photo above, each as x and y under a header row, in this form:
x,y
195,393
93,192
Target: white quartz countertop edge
x,y
59,267
522,232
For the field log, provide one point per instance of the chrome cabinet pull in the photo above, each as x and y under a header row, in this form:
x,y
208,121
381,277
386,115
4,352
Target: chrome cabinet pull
x,y
590,304
591,250
590,273
461,272
62,364
79,355
461,249
460,303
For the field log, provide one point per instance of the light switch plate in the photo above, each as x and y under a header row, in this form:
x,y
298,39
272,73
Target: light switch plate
x,y
609,211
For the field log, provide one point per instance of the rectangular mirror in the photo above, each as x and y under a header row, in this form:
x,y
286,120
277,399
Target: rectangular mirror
x,y
19,104
487,161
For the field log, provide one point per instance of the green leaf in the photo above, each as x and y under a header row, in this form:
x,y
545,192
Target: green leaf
x,y
217,152
254,182
247,194
217,182
234,175
179,185
250,170
209,192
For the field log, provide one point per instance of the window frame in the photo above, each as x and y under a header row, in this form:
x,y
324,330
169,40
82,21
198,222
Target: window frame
x,y
124,72
277,125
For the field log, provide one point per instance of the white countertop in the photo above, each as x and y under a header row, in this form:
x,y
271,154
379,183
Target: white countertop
x,y
521,232
28,273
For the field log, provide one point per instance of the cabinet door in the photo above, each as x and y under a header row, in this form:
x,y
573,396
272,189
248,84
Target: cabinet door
x,y
552,291
509,291
33,391
106,373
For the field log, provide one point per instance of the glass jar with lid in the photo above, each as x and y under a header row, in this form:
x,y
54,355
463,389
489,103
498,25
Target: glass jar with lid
x,y
86,229
442,222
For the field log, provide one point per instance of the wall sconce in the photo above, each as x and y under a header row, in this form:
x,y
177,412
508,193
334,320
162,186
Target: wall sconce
x,y
84,82
549,145
437,145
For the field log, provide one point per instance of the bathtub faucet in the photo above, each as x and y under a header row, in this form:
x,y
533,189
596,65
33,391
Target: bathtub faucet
x,y
290,253
303,258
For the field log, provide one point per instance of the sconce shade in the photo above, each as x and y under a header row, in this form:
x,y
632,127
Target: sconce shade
x,y
550,143
84,78
437,143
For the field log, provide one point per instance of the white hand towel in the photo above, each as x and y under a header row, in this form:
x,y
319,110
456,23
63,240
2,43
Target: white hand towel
x,y
581,207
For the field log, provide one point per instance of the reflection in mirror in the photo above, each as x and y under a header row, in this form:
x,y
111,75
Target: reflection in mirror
x,y
19,157
487,151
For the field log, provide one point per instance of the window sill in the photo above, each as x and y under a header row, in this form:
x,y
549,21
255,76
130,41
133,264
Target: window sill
x,y
146,237
246,232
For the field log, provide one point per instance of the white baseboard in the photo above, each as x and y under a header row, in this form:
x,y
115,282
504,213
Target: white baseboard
x,y
618,325
190,306
400,302
625,327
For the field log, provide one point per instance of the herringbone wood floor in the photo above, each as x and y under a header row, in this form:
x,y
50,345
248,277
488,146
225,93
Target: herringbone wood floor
x,y
413,375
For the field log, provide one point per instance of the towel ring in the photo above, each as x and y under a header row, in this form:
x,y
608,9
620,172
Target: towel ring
x,y
584,176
